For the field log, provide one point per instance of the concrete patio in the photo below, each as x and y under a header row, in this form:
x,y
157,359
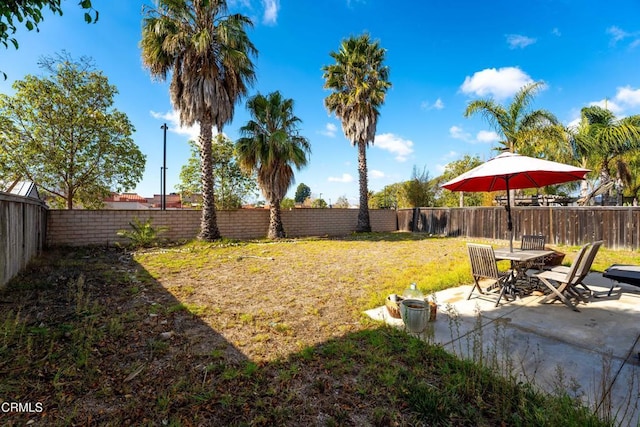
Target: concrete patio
x,y
593,353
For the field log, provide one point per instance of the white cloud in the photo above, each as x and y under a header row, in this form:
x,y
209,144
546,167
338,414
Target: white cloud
x,y
173,119
628,96
376,174
344,178
484,136
500,83
329,130
487,136
173,122
437,105
516,41
271,8
556,32
458,133
617,34
574,123
394,144
609,105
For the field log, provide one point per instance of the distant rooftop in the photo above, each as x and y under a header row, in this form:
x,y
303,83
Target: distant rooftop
x,y
21,188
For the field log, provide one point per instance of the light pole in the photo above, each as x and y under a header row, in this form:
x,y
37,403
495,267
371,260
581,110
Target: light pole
x,y
164,168
161,184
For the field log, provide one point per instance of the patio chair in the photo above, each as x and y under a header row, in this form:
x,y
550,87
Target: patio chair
x,y
533,242
585,267
563,284
484,270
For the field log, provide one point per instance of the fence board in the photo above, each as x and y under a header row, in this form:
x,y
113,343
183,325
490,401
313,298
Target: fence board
x,y
22,233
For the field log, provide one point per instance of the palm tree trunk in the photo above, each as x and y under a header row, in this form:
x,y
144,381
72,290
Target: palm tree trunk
x,y
276,229
208,222
605,178
364,225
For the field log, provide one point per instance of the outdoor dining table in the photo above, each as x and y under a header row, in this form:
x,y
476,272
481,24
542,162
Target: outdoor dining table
x,y
520,260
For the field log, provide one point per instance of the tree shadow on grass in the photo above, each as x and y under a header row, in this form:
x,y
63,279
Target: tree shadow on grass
x,y
399,236
89,337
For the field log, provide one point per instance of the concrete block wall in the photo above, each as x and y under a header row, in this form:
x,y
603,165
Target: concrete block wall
x,y
100,227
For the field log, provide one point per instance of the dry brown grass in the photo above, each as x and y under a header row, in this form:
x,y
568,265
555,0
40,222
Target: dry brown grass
x,y
274,299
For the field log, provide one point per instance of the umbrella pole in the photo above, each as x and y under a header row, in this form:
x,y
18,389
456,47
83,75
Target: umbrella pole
x,y
509,222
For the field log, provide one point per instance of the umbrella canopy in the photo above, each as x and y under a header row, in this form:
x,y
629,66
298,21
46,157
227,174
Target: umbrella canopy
x,y
515,172
510,171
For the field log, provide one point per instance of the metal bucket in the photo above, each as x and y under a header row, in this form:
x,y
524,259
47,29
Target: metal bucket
x,y
415,314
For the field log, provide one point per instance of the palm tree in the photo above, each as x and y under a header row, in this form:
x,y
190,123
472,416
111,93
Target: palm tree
x,y
208,54
526,132
603,142
270,144
359,82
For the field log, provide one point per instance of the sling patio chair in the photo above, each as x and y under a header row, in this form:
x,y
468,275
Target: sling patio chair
x,y
488,280
585,269
563,284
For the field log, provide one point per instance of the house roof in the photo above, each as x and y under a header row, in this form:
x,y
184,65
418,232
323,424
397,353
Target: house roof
x,y
125,197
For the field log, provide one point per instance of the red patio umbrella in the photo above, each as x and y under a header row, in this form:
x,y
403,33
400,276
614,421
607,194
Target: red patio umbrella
x,y
510,171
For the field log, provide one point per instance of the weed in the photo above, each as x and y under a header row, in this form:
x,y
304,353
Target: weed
x,y
246,318
142,234
156,347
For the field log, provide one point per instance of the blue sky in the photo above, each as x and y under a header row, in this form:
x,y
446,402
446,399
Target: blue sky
x,y
442,54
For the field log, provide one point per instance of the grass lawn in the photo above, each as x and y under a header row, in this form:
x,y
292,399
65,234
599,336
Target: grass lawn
x,y
248,333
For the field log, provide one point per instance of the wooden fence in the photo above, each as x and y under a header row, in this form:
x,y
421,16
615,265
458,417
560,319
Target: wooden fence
x,y
619,227
22,233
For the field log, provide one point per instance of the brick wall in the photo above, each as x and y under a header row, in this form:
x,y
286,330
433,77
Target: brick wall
x,y
87,227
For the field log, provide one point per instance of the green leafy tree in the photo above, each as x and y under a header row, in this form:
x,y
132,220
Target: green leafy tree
x,y
388,198
303,192
523,131
342,202
62,132
288,203
29,13
207,52
359,81
418,191
452,198
231,185
319,204
604,143
633,189
270,145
